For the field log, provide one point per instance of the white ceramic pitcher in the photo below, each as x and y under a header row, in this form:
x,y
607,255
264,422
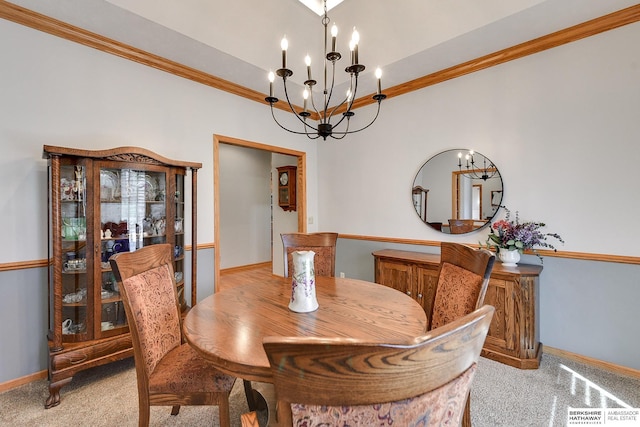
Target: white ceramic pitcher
x,y
303,283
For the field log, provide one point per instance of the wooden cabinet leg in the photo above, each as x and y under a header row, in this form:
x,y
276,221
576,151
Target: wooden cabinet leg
x,y
54,392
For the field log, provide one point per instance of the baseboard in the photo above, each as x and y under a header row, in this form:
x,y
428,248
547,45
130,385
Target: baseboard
x,y
11,384
245,267
612,367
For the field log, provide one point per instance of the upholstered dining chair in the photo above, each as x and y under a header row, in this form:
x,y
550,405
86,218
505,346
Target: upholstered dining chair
x,y
463,278
169,372
458,226
323,244
339,381
462,284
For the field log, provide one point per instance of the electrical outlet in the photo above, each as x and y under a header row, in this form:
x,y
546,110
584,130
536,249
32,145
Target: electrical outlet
x,y
310,220
342,274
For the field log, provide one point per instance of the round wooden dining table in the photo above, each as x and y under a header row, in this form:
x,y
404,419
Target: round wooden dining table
x,y
227,328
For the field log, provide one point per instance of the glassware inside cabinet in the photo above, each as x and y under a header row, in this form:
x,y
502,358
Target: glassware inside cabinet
x,y
132,215
112,311
133,210
74,251
73,203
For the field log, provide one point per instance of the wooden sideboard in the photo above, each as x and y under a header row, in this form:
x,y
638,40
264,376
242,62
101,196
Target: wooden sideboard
x,y
513,337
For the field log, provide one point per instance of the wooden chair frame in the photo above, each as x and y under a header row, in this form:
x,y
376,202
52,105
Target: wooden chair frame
x,y
477,261
308,241
358,372
129,264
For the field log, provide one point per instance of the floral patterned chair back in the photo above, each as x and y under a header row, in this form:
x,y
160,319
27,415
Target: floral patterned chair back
x,y
168,371
462,282
343,381
323,244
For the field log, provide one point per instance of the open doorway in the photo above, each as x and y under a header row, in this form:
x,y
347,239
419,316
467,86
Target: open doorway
x,y
300,161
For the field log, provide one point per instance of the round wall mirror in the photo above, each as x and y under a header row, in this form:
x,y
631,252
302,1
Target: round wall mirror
x,y
457,191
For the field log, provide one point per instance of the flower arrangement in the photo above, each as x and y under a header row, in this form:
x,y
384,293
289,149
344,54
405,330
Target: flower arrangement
x,y
513,235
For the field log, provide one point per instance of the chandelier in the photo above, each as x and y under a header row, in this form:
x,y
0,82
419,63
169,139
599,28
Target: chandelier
x,y
330,122
472,170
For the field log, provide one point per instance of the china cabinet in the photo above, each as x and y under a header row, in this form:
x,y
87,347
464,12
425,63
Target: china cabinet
x,y
102,202
513,336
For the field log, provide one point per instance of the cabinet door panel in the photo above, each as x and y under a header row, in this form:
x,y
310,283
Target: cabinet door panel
x,y
501,331
395,275
428,283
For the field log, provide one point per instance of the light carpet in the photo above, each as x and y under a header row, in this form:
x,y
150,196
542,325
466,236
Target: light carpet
x,y
501,396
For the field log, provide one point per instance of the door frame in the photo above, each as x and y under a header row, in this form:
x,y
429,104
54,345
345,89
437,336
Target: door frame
x,y
301,188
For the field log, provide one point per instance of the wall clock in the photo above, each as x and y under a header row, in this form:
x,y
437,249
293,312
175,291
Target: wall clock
x,y
287,187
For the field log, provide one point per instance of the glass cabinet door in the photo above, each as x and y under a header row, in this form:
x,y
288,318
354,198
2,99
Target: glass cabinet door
x,y
178,250
133,214
76,292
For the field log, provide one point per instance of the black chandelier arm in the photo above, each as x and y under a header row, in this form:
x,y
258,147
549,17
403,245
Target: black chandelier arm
x,y
307,126
327,100
348,110
313,103
303,121
342,134
293,131
345,132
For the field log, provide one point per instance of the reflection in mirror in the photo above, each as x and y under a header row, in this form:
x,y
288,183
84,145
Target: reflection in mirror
x,y
465,191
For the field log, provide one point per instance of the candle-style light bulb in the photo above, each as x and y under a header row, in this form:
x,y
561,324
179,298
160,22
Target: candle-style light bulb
x,y
284,44
355,37
334,34
307,60
305,95
352,47
272,77
459,159
379,76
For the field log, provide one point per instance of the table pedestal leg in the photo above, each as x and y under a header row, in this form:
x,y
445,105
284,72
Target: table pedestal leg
x,y
267,396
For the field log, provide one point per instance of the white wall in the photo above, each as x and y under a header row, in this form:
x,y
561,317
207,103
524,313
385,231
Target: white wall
x,y
57,92
245,206
562,127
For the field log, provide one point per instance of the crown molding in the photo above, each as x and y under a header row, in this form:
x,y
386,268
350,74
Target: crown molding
x,y
61,29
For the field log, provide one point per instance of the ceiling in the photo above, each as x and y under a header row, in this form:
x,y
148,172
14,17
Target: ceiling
x,y
239,40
